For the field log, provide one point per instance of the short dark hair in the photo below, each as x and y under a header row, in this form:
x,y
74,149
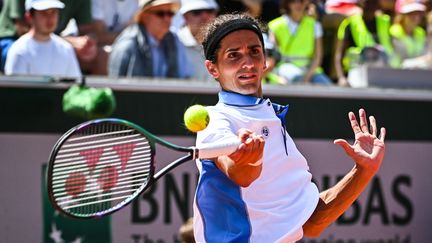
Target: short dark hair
x,y
215,31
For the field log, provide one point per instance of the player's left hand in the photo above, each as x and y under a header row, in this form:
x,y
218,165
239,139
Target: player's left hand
x,y
368,149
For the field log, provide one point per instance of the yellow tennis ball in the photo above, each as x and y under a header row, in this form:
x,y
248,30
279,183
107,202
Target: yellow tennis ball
x,y
196,118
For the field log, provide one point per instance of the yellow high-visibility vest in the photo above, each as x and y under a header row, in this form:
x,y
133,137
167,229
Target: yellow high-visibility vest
x,y
363,38
414,45
299,48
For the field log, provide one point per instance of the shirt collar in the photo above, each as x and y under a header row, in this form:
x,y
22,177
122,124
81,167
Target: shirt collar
x,y
236,99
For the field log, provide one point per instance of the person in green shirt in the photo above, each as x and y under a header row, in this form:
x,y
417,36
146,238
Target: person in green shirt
x,y
12,26
299,39
408,37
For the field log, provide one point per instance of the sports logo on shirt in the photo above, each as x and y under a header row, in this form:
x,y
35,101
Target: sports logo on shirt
x,y
265,131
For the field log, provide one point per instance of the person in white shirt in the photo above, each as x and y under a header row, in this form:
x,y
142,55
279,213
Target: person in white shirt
x,y
263,192
40,52
197,13
112,17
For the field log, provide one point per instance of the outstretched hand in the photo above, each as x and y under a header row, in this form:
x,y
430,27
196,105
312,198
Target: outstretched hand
x,y
368,149
251,150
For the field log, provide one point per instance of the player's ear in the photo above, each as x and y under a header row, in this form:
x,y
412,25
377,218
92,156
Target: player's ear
x,y
212,69
28,17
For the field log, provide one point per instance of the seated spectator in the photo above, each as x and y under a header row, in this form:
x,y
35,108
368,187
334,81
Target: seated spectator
x,y
83,41
357,33
12,26
148,47
40,52
196,13
408,37
112,17
299,39
273,57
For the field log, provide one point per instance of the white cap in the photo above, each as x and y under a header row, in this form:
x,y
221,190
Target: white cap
x,y
146,4
43,4
189,5
408,6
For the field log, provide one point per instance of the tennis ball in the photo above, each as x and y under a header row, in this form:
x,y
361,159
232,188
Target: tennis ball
x,y
196,118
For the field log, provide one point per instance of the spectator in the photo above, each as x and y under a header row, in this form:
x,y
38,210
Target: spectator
x,y
148,47
112,16
362,32
273,56
83,42
299,38
12,26
37,52
196,13
408,37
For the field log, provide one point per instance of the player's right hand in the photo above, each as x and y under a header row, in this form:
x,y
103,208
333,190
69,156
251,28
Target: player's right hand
x,y
251,149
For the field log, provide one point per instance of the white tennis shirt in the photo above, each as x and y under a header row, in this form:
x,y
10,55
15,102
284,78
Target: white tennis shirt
x,y
276,205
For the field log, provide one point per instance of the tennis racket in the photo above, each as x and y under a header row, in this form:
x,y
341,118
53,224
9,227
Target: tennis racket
x,y
100,166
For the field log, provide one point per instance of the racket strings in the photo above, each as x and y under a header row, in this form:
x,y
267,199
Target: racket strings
x,y
99,167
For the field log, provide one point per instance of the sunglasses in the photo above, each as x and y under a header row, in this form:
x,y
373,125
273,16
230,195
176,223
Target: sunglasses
x,y
198,12
162,14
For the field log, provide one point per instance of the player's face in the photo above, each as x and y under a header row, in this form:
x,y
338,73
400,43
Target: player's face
x,y
240,63
45,21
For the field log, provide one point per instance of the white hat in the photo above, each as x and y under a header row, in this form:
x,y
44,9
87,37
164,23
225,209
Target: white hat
x,y
408,6
145,4
43,4
189,5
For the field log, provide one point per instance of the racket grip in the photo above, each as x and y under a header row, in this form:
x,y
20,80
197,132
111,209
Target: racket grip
x,y
212,150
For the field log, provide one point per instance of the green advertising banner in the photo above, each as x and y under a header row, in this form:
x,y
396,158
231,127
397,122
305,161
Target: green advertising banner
x,y
59,228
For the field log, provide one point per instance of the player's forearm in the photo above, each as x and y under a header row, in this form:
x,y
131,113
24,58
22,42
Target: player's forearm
x,y
336,200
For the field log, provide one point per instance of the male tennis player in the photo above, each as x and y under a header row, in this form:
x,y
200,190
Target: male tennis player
x,y
263,191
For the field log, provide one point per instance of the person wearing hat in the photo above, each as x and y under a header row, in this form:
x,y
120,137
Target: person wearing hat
x,y
359,32
38,51
408,37
263,192
148,47
196,13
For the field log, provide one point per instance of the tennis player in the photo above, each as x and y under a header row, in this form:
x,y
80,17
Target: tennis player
x,y
263,191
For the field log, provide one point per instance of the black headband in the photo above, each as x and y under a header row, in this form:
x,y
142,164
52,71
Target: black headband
x,y
233,25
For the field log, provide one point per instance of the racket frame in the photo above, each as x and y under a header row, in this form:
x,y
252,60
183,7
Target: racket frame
x,y
152,178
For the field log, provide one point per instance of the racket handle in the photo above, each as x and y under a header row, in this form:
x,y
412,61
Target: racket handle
x,y
212,150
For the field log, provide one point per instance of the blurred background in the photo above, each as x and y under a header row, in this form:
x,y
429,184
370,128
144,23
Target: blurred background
x,y
65,63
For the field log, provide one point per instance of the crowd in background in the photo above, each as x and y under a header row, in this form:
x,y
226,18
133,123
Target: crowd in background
x,y
307,42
